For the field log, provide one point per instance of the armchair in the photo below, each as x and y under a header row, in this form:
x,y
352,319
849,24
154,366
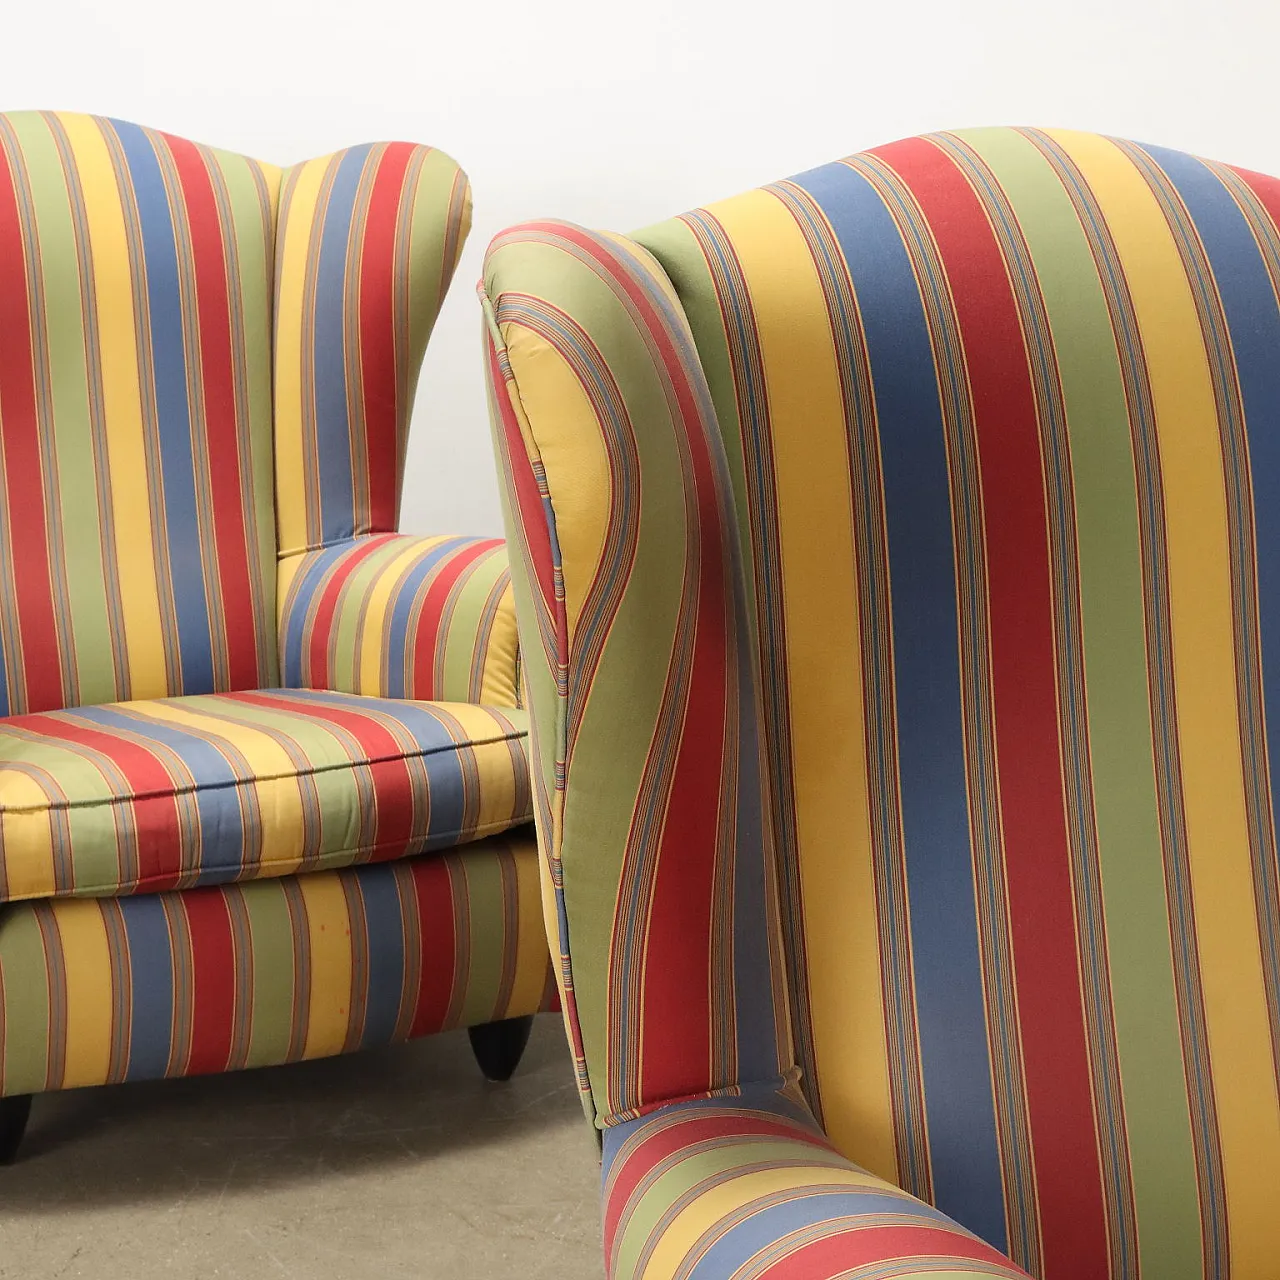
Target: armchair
x,y
897,564
263,781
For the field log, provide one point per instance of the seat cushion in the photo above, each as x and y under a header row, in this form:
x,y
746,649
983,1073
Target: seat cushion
x,y
143,796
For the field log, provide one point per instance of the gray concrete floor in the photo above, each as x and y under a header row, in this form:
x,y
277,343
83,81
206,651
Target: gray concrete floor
x,y
397,1163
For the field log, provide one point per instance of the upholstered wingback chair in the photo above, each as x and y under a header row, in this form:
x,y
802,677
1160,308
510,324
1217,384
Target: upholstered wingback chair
x,y
262,768
899,576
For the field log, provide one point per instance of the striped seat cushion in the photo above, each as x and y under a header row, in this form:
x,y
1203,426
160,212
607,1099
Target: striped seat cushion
x,y
146,796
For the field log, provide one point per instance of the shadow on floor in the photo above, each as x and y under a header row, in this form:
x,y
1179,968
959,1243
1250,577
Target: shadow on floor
x,y
285,1125
400,1164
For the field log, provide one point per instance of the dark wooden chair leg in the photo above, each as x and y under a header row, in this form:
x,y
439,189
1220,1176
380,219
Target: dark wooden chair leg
x,y
14,1113
498,1046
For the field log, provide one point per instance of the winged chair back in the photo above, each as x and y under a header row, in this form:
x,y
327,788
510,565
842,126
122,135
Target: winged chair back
x,y
904,544
206,371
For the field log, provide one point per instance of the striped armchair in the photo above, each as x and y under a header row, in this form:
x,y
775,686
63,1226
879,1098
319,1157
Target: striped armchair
x,y
263,782
899,575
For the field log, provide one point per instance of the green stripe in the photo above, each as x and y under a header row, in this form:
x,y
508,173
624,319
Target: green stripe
x,y
678,251
350,613
1121,747
26,1001
272,1011
471,598
255,260
711,1165
613,742
79,516
426,251
481,880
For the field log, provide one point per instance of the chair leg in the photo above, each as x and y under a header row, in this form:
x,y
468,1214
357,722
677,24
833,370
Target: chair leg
x,y
498,1046
14,1113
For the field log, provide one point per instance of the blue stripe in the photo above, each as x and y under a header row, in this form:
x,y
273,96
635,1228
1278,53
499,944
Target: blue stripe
x,y
398,631
440,756
385,924
951,1011
767,1226
216,797
5,708
173,409
333,425
150,986
304,590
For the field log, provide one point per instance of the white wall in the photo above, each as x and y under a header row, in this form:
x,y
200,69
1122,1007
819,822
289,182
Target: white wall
x,y
617,115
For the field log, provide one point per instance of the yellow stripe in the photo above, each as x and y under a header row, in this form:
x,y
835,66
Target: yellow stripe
x,y
330,933
824,675
291,496
286,570
377,607
531,943
498,683
680,1239
573,453
122,403
89,999
1204,674
28,838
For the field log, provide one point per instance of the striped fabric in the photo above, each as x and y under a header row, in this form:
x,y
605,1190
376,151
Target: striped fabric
x,y
999,415
172,793
95,991
396,616
677,889
369,238
749,1189
136,508
200,422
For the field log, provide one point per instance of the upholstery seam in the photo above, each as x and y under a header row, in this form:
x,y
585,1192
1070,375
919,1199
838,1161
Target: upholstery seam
x,y
126,888
236,783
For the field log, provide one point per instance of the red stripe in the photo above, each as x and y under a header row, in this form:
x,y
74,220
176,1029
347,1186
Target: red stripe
x,y
1266,188
213,979
392,817
315,672
25,510
679,925
1023,659
680,1135
153,808
678,1059
427,640
381,342
221,436
838,1253
433,885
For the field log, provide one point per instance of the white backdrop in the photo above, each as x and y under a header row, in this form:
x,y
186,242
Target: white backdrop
x,y
616,115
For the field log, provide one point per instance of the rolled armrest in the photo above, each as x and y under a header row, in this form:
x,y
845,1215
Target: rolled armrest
x,y
401,616
748,1188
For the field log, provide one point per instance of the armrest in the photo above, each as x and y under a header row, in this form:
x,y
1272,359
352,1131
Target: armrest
x,y
400,616
748,1187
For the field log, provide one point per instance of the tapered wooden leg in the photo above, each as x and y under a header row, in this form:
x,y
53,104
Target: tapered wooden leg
x,y
14,1113
498,1046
